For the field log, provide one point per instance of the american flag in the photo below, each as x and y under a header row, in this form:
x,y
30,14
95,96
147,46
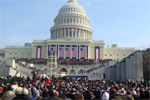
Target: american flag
x,y
53,48
38,52
74,51
97,53
72,30
82,52
61,51
67,51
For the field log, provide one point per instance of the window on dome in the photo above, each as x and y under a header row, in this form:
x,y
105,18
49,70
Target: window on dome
x,y
77,20
83,21
77,33
70,33
59,33
66,32
56,35
63,33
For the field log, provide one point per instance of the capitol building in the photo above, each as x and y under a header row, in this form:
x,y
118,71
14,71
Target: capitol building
x,y
70,38
71,30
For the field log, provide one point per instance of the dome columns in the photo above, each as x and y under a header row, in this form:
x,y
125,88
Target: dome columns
x,y
66,33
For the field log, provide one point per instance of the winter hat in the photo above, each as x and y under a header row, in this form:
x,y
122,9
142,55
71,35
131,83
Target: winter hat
x,y
25,91
19,90
33,83
104,91
105,96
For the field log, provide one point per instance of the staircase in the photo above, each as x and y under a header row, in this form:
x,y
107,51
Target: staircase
x,y
98,73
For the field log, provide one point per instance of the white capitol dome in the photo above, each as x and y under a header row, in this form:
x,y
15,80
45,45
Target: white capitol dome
x,y
72,7
71,23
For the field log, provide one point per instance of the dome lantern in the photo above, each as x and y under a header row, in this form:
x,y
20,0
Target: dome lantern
x,y
72,1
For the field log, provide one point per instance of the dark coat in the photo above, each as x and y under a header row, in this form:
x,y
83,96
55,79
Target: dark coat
x,y
55,98
21,97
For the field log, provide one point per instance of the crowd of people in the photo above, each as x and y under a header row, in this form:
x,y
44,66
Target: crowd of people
x,y
32,60
76,61
82,61
63,61
69,88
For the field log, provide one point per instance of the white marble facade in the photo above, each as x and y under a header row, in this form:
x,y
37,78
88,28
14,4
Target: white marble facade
x,y
71,29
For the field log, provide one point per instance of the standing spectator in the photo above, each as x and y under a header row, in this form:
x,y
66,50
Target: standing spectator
x,y
8,94
130,97
36,94
105,95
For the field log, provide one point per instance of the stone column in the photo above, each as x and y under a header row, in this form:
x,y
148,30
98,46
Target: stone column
x,y
68,32
64,32
46,51
89,35
72,32
79,32
85,34
57,34
82,34
61,33
76,32
101,52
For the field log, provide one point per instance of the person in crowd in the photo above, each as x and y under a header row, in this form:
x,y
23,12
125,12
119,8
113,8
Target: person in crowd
x,y
70,88
8,94
22,94
130,97
105,95
36,94
89,95
79,96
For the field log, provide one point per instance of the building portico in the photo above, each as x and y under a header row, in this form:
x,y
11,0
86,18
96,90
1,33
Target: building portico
x,y
69,49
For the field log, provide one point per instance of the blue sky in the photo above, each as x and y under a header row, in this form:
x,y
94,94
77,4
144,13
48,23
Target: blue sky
x,y
124,22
